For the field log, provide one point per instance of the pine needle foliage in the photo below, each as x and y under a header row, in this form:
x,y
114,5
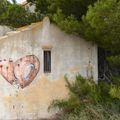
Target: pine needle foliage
x,y
89,101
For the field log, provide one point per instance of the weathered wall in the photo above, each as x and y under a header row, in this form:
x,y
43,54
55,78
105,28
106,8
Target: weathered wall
x,y
70,55
4,30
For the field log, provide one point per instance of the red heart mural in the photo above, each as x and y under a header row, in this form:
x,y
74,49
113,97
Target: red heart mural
x,y
7,70
23,71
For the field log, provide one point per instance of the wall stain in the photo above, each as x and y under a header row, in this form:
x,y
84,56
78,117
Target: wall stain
x,y
36,96
75,70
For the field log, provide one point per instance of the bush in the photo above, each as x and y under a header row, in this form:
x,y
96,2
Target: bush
x,y
92,113
89,101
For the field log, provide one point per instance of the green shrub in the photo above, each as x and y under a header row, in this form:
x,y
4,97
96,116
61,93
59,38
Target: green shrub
x,y
92,113
81,92
89,101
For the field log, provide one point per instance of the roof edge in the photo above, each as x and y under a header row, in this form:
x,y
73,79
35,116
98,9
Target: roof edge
x,y
26,28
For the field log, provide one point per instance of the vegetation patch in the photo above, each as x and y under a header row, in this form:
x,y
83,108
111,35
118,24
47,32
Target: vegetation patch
x,y
89,101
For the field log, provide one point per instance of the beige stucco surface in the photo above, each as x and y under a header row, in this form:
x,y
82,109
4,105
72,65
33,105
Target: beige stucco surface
x,y
70,55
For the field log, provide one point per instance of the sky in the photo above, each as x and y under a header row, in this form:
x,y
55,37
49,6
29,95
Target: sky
x,y
18,1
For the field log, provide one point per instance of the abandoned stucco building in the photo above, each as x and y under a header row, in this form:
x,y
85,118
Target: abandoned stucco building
x,y
33,62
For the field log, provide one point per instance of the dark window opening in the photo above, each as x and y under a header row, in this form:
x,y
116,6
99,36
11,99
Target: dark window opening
x,y
47,61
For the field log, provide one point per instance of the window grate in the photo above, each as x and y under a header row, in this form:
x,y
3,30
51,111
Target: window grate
x,y
47,61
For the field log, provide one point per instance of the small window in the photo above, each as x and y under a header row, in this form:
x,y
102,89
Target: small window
x,y
47,61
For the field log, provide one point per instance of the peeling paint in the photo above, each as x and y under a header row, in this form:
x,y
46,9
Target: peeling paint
x,y
22,72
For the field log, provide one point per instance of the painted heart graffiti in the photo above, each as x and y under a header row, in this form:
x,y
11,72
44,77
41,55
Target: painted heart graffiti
x,y
21,72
